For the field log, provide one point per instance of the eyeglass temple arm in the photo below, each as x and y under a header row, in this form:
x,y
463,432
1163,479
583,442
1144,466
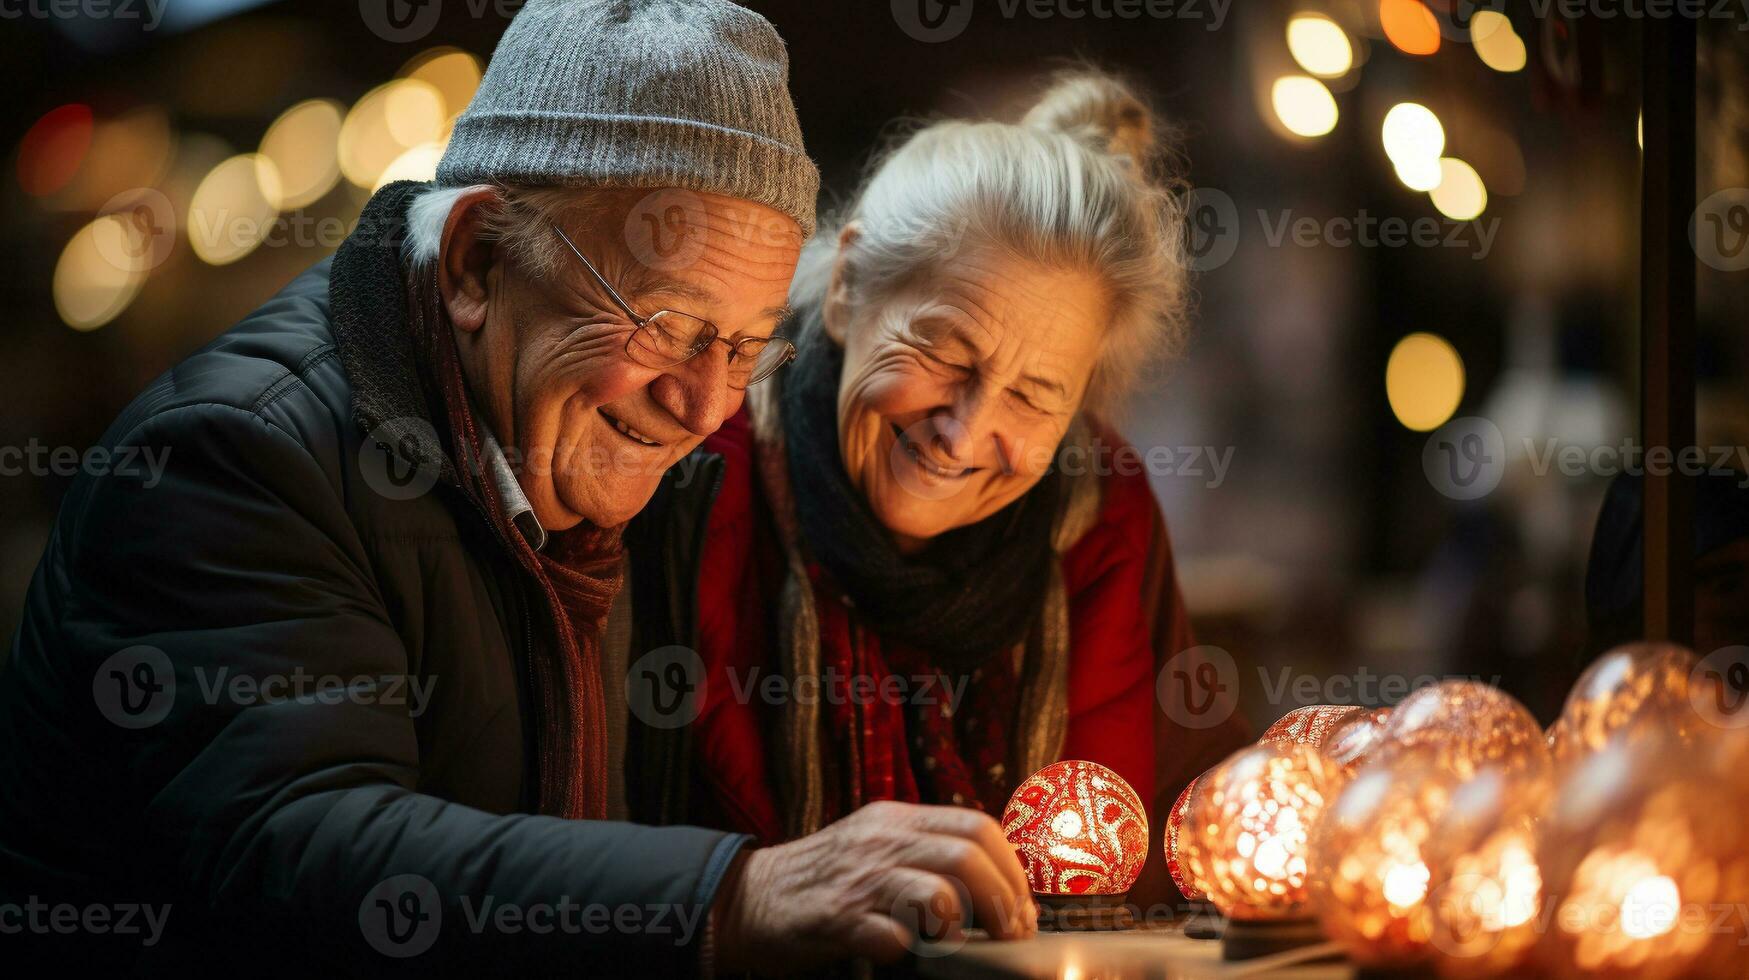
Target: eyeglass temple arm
x,y
599,278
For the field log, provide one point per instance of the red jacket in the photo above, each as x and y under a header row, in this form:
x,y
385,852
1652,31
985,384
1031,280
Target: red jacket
x,y
1126,619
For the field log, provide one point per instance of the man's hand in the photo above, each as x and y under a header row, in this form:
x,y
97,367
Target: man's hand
x,y
851,889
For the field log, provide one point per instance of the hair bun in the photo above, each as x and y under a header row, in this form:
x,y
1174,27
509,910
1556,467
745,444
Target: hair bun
x,y
1100,111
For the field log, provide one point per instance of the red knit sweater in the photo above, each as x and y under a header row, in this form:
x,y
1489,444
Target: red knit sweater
x,y
1126,619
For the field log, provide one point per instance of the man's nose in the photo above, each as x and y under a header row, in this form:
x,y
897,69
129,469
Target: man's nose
x,y
696,392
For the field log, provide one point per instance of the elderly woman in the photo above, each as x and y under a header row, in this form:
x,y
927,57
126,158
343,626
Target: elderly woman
x,y
900,523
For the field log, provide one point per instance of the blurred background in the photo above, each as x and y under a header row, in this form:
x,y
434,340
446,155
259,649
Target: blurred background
x,y
1404,214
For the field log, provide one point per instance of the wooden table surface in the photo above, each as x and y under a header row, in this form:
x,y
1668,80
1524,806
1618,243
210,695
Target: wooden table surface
x,y
1157,953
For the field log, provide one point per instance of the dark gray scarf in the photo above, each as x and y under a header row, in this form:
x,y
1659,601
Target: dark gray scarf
x,y
971,593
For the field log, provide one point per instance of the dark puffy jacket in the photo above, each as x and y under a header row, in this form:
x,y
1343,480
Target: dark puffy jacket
x,y
289,828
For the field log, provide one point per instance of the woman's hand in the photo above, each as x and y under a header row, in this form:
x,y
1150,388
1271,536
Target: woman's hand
x,y
867,885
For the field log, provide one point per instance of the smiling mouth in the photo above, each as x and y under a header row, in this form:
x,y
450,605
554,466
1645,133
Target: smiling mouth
x,y
925,465
627,431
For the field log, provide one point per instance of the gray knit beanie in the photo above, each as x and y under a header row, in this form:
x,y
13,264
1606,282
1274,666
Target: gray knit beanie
x,y
638,93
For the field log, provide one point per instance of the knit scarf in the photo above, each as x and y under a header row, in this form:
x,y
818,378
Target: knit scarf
x,y
578,573
970,593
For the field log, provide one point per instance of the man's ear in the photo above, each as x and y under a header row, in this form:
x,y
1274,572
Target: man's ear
x,y
835,313
465,259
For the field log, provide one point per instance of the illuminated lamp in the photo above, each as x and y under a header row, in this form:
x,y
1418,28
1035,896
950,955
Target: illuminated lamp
x,y
1082,835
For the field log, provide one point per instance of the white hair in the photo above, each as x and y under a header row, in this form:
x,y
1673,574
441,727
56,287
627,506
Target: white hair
x,y
518,219
1079,183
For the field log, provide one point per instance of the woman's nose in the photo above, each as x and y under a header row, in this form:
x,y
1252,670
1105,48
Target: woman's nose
x,y
696,392
967,423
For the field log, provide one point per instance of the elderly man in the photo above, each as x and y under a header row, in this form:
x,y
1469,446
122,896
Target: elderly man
x,y
347,688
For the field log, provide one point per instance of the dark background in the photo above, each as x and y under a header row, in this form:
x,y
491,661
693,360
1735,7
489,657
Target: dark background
x,y
1326,550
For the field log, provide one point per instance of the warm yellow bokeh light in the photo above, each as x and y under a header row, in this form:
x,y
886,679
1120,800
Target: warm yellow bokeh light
x,y
1496,43
387,122
1460,195
1303,105
1412,133
95,278
454,73
233,209
1319,45
302,143
418,163
1419,174
1424,381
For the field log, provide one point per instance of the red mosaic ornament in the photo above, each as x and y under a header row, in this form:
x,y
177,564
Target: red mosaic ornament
x,y
1311,725
1078,828
1191,890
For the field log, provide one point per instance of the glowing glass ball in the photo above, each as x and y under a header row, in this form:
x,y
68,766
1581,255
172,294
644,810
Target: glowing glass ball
x,y
1471,726
1311,725
1176,865
1370,872
1356,737
1638,688
1078,828
1486,892
1644,849
1248,825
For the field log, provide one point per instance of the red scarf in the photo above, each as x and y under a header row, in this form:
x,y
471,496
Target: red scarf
x,y
578,572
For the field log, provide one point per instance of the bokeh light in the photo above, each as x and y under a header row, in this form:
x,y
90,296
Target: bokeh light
x,y
1424,381
454,73
1460,195
1638,690
233,209
1468,726
1303,105
1320,45
1411,132
52,149
418,163
1496,43
1409,25
303,144
387,122
91,287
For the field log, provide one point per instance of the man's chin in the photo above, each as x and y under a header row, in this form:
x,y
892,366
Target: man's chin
x,y
608,505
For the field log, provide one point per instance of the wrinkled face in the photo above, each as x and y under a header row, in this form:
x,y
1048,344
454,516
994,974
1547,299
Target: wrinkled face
x,y
955,394
593,430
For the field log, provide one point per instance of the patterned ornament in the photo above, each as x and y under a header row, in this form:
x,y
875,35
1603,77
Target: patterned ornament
x,y
1078,828
1311,725
1175,863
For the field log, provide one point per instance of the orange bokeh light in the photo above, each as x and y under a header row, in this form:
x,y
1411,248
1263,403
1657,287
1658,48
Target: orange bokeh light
x,y
50,153
1409,25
